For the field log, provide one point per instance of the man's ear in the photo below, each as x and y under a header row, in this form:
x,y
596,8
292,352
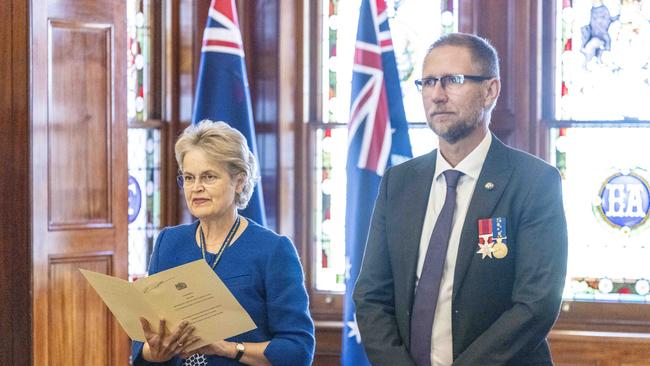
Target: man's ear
x,y
493,90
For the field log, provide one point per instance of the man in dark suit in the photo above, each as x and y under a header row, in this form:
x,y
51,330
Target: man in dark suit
x,y
477,280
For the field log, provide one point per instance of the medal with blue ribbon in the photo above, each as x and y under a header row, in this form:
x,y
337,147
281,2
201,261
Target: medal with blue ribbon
x,y
492,237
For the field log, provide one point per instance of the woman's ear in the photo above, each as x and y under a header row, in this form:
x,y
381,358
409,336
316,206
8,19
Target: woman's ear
x,y
240,179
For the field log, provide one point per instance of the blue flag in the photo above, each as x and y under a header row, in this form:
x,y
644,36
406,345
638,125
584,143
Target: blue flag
x,y
222,92
378,138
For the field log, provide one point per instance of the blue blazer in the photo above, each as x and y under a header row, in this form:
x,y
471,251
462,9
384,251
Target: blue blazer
x,y
502,309
263,272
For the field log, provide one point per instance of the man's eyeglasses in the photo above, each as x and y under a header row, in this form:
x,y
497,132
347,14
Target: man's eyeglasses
x,y
188,180
448,82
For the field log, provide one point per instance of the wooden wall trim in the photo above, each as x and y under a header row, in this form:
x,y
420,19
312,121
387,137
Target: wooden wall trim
x,y
572,348
292,129
170,49
592,336
328,345
15,186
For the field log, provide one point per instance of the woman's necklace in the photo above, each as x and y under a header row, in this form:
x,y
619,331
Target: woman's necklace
x,y
226,242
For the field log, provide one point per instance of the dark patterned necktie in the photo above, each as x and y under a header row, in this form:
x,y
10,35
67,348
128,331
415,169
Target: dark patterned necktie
x,y
426,295
196,360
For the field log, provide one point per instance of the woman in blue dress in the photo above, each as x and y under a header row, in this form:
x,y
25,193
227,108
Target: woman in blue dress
x,y
259,267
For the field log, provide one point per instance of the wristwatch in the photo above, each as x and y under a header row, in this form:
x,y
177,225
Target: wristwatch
x,y
240,350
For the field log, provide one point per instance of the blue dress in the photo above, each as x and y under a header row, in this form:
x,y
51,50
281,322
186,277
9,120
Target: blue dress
x,y
263,272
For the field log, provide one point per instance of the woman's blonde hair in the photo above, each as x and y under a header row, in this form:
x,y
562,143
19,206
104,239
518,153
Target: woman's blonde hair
x,y
223,145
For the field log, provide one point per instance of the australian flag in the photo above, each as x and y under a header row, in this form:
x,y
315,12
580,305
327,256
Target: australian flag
x,y
222,92
377,138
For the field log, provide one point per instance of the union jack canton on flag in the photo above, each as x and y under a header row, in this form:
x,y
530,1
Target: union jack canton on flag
x,y
377,139
222,92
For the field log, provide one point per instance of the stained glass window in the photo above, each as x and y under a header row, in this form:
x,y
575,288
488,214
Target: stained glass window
x,y
143,141
609,243
604,60
138,56
330,210
144,197
415,25
603,78
413,29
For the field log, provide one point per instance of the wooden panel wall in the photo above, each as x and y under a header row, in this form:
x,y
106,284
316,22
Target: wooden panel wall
x,y
15,212
78,177
511,27
328,343
84,321
78,124
586,348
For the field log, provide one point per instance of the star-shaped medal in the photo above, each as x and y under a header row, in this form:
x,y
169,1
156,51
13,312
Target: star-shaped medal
x,y
485,250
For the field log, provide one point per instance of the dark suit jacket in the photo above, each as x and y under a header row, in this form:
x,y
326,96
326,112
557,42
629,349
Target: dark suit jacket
x,y
502,309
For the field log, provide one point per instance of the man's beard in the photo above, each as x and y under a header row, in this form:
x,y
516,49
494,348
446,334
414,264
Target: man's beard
x,y
459,131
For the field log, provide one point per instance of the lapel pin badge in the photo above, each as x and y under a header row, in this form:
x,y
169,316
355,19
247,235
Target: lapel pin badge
x,y
489,186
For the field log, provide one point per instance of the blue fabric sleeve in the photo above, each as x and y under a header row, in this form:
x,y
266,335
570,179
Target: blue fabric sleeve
x,y
288,308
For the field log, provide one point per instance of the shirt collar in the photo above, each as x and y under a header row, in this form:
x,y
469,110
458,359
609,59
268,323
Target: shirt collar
x,y
472,164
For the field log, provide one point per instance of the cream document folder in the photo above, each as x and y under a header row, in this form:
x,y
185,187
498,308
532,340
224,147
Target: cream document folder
x,y
191,292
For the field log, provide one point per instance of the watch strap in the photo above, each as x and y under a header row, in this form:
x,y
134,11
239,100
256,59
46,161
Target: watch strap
x,y
240,350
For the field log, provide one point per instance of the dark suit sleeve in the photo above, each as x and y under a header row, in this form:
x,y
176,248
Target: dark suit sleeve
x,y
540,258
374,295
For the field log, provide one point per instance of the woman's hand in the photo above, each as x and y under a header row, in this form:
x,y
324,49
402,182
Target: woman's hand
x,y
162,346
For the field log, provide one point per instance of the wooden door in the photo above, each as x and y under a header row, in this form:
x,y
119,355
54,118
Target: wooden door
x,y
79,176
15,193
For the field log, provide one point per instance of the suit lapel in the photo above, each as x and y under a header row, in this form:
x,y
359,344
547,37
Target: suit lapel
x,y
415,205
496,170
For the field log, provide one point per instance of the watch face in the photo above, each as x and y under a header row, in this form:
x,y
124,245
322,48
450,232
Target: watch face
x,y
240,350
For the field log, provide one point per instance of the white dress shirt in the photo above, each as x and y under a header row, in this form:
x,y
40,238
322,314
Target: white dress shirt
x,y
441,337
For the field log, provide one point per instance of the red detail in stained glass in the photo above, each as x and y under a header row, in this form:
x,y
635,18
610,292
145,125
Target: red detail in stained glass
x,y
333,50
562,131
566,4
324,260
565,90
624,290
569,44
332,8
141,91
328,214
328,132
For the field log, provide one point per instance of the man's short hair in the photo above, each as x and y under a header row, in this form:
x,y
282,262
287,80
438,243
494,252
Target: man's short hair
x,y
483,54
